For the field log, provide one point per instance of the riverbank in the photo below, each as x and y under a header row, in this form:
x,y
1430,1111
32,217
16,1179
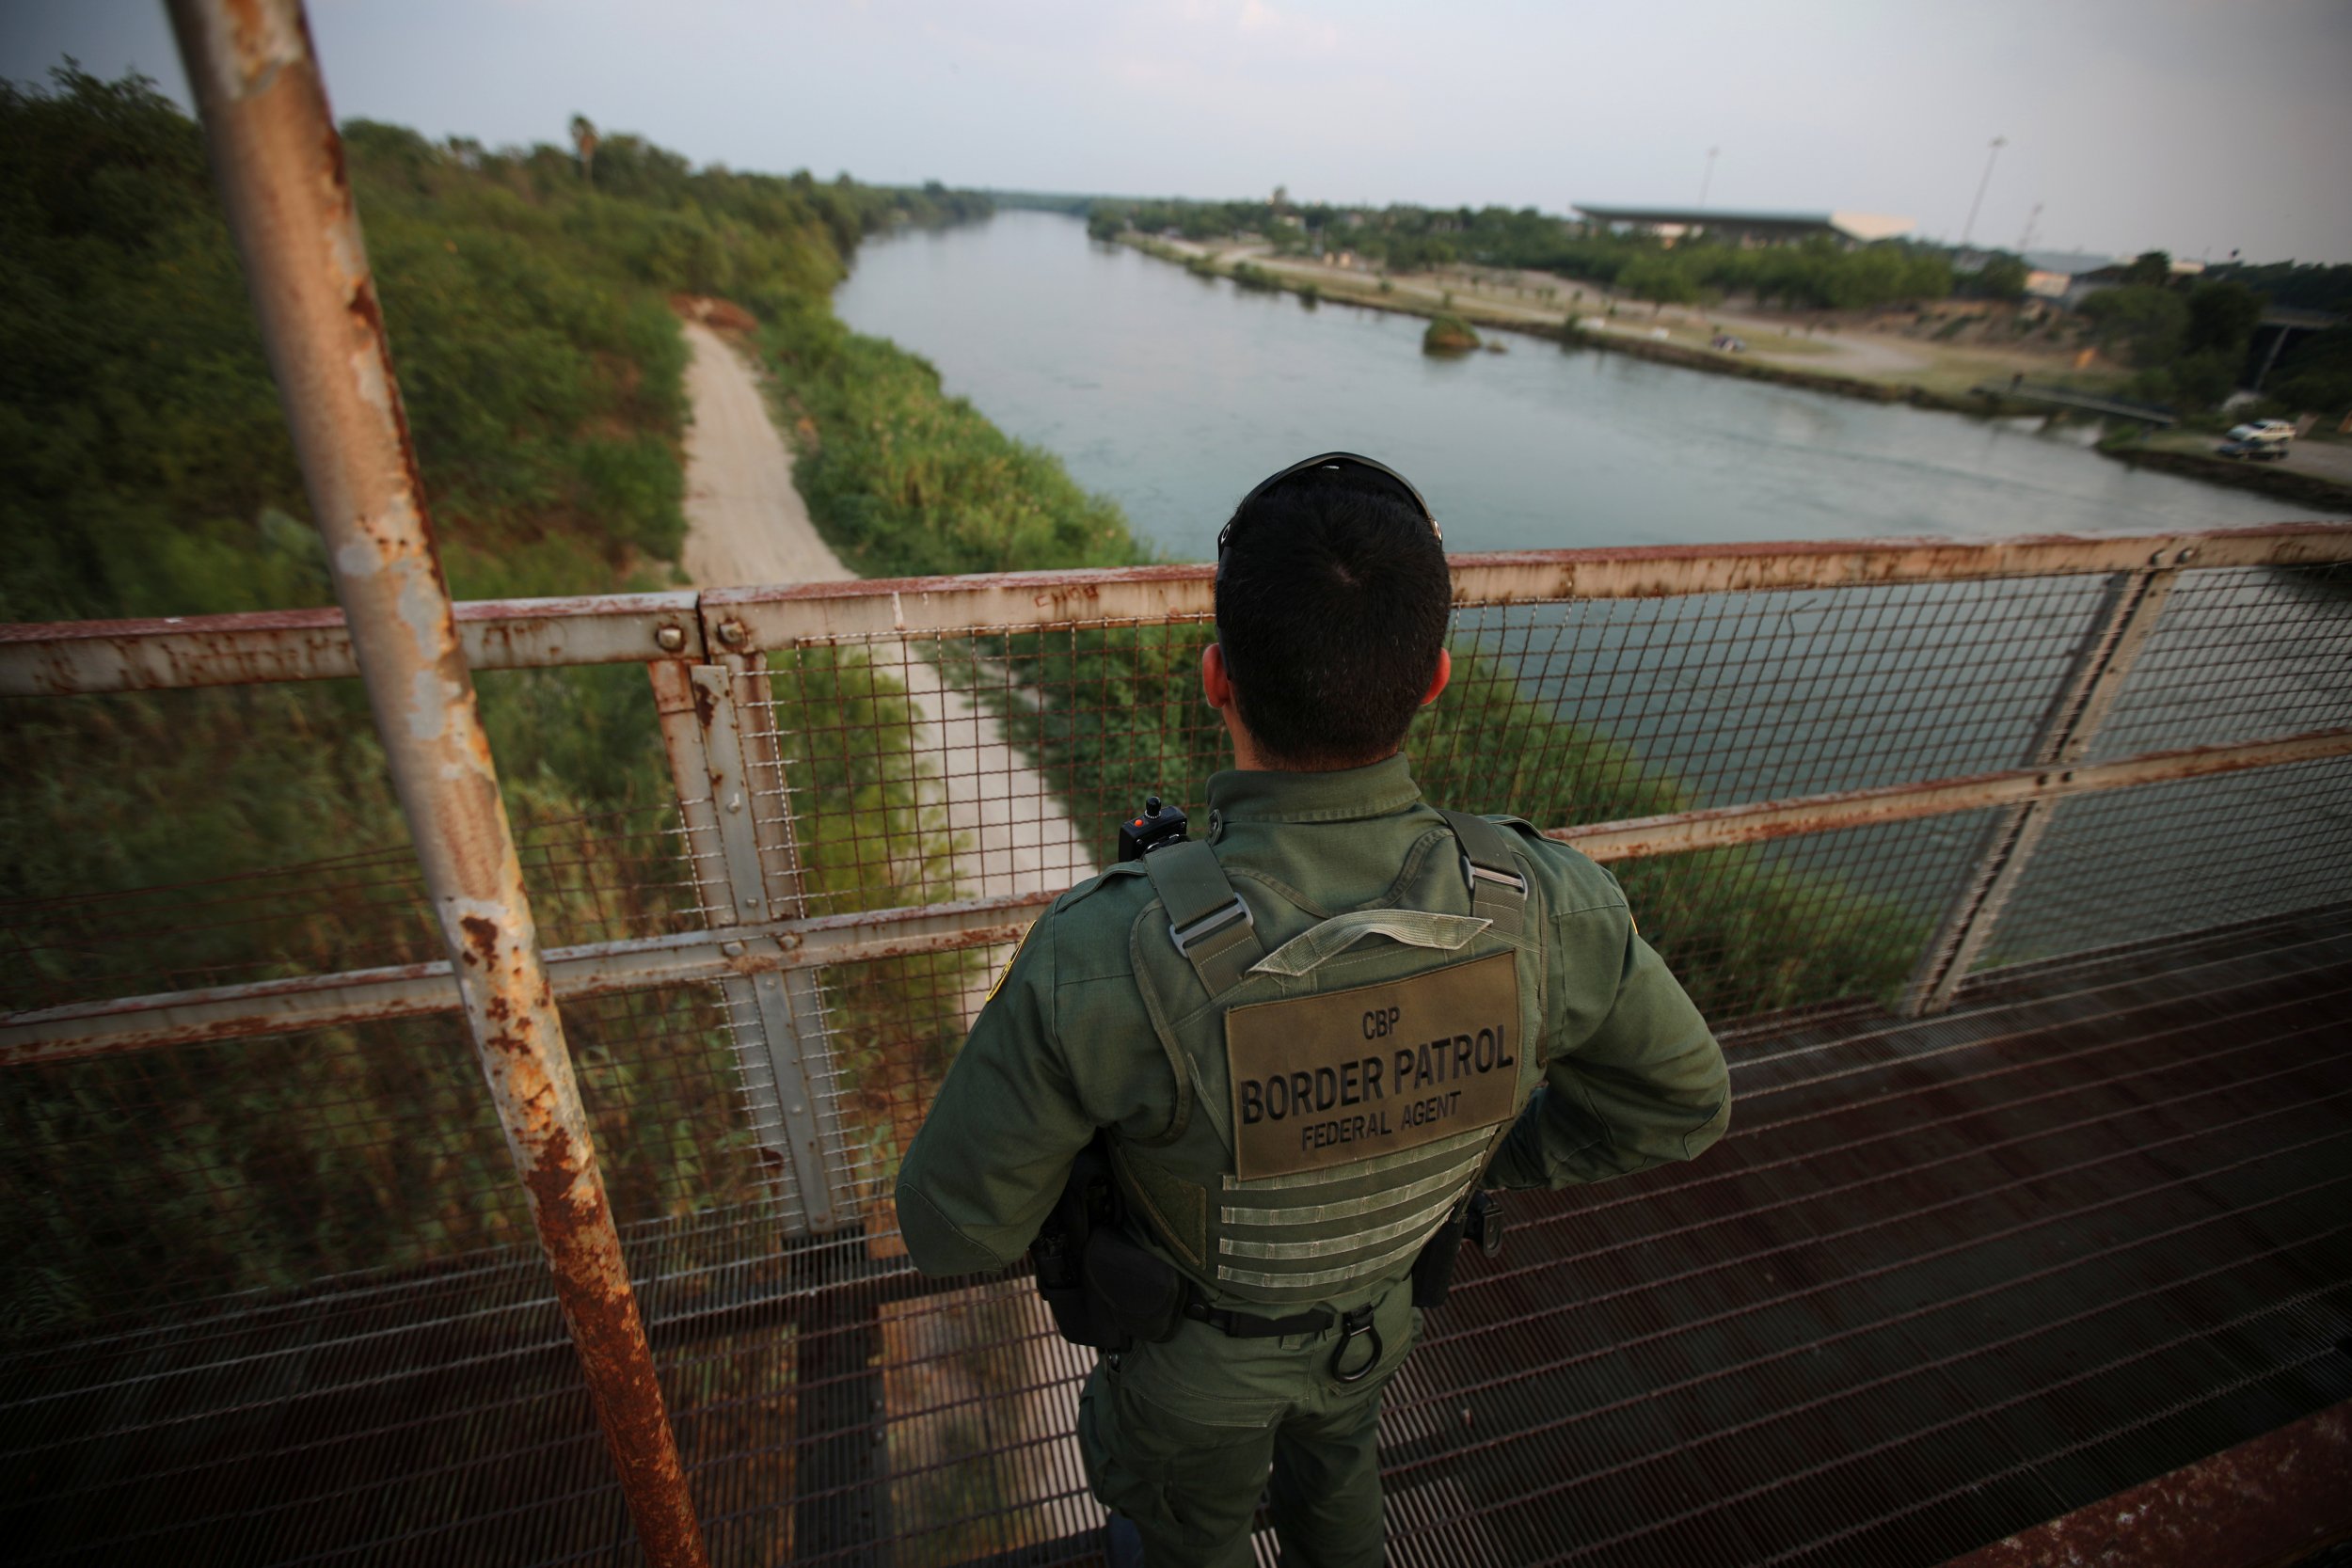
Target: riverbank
x,y
1660,341
2301,487
1887,372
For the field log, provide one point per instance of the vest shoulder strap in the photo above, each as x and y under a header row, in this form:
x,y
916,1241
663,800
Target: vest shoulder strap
x,y
1498,886
1206,919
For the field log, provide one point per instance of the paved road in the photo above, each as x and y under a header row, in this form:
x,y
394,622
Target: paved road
x,y
2327,459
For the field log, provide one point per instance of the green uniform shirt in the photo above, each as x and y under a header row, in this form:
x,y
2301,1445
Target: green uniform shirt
x,y
1064,1046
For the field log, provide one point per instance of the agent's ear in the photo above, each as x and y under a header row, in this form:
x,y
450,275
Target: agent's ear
x,y
1215,684
1436,682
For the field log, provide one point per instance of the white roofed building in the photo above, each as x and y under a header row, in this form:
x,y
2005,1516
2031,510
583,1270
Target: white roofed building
x,y
1674,223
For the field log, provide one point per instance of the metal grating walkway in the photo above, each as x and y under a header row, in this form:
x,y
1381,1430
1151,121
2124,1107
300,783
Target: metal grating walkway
x,y
1944,1280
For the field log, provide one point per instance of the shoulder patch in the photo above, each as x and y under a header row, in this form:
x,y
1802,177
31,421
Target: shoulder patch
x,y
1012,959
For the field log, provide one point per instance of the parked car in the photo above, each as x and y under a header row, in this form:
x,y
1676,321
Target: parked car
x,y
2264,430
2254,447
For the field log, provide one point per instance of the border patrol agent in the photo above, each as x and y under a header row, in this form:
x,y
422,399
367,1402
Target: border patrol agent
x,y
1241,1094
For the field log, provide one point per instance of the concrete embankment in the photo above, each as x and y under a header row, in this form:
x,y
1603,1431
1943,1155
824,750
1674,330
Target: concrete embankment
x,y
2302,489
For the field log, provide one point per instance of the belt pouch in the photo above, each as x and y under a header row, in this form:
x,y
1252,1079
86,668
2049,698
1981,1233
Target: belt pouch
x,y
1135,1290
1081,1216
1061,1282
1432,1268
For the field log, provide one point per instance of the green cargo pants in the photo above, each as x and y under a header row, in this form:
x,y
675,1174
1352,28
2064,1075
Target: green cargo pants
x,y
1180,1437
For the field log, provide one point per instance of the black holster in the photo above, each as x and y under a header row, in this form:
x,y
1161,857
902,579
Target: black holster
x,y
1479,1220
1103,1290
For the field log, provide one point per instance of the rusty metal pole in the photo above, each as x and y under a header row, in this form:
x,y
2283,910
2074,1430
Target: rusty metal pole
x,y
280,166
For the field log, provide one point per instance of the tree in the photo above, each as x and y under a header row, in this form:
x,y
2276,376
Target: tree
x,y
1663,279
2146,324
2221,319
585,138
2002,278
2316,374
2151,269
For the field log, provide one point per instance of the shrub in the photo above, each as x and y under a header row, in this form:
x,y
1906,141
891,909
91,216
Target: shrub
x,y
1449,335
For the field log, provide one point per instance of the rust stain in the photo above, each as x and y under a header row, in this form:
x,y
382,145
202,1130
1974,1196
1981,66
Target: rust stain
x,y
481,938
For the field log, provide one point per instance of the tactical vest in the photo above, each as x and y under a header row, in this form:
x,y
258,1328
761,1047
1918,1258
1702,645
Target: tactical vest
x,y
1341,1082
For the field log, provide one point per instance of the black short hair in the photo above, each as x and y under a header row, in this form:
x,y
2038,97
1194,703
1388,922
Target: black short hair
x,y
1332,604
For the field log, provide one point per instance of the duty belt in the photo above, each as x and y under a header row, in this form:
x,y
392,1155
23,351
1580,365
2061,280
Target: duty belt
x,y
1245,1325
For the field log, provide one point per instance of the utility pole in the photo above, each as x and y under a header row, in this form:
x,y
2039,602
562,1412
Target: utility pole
x,y
1969,227
1708,178
2032,218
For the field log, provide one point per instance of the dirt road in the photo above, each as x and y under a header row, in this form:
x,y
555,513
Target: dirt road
x,y
747,523
994,1344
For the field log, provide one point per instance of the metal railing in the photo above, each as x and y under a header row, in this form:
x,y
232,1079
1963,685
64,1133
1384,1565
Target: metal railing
x,y
1766,693
1779,696
1851,774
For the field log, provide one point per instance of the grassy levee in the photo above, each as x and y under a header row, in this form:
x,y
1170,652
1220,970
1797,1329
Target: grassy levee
x,y
904,481
145,471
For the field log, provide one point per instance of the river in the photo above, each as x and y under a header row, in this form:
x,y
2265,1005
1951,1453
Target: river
x,y
1173,394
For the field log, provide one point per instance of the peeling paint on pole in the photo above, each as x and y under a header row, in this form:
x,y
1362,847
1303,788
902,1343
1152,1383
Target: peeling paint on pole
x,y
279,167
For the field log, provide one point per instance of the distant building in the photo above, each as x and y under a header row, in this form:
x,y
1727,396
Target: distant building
x,y
1749,229
2067,278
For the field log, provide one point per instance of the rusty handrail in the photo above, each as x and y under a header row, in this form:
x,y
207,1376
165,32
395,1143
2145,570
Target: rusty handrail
x,y
88,657
278,163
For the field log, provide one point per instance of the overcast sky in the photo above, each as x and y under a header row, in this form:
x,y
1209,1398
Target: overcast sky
x,y
2201,126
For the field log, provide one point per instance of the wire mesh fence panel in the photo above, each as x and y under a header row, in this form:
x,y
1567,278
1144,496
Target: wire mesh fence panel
x,y
983,763
893,1027
2130,864
662,1074
2238,653
1941,1280
169,841
436,1415
1831,917
1599,709
145,1182
162,841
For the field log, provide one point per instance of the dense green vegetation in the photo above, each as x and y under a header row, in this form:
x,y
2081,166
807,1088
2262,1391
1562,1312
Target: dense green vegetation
x,y
2300,285
2316,374
2187,336
145,471
904,480
1819,274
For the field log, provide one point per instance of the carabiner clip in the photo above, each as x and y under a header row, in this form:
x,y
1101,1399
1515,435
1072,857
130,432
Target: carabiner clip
x,y
1351,1324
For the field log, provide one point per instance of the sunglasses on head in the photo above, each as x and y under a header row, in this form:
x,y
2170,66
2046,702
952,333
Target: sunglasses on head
x,y
1337,462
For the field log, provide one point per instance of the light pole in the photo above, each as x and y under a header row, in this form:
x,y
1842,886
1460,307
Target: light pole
x,y
1969,227
1708,178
